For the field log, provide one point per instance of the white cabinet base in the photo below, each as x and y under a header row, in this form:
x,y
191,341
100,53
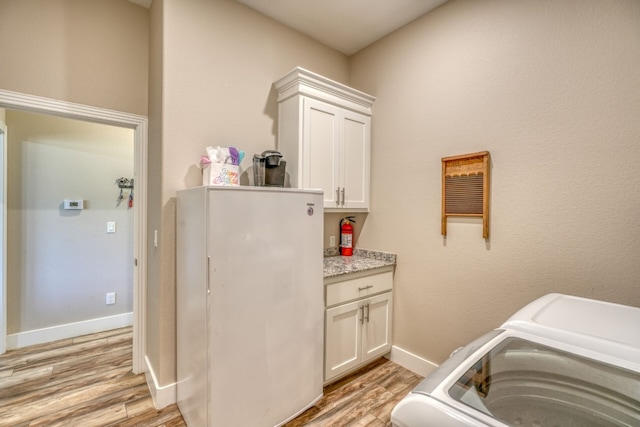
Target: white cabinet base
x,y
357,323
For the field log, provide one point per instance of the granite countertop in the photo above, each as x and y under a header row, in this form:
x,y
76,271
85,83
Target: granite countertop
x,y
362,260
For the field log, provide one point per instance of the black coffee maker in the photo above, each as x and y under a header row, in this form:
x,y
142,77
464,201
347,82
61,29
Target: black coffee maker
x,y
269,169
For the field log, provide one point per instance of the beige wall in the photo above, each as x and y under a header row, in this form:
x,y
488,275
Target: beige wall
x,y
552,90
61,263
89,52
219,59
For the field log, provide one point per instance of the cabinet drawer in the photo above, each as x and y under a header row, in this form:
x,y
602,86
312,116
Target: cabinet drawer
x,y
340,292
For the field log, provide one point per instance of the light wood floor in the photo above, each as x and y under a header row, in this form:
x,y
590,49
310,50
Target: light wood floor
x,y
87,382
364,398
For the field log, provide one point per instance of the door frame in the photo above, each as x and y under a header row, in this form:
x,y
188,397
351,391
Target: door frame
x,y
3,238
139,124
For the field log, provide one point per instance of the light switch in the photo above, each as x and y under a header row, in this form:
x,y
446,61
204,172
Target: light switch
x,y
111,227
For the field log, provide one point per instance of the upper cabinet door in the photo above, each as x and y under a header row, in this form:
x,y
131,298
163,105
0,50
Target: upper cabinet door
x,y
321,149
355,159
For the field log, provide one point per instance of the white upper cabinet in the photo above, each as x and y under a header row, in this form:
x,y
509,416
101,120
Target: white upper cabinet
x,y
324,134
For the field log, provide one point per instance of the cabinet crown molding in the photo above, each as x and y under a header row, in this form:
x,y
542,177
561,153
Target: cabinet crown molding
x,y
300,81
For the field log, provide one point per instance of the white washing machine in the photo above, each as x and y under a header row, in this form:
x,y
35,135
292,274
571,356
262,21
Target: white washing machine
x,y
561,361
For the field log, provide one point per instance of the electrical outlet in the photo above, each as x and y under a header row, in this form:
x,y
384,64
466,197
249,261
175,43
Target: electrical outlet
x,y
332,241
111,298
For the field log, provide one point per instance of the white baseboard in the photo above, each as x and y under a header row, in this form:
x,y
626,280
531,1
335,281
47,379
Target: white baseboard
x,y
162,396
411,361
70,330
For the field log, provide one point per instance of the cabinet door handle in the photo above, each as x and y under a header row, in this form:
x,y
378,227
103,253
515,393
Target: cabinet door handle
x,y
362,314
342,196
367,312
338,196
365,288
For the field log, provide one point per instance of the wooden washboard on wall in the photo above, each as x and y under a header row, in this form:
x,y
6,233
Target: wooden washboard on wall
x,y
465,188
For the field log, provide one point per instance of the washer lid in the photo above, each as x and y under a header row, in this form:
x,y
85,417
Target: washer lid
x,y
607,328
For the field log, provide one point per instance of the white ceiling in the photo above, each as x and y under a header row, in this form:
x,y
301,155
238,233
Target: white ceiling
x,y
345,25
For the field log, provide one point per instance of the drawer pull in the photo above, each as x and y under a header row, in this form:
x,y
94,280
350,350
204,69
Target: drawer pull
x,y
365,288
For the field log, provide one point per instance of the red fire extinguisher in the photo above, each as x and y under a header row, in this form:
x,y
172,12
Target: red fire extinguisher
x,y
346,236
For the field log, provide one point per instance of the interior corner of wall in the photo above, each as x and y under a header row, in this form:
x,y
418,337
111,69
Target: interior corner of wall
x,y
412,362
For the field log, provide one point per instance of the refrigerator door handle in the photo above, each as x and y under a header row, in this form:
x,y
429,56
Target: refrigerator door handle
x,y
208,270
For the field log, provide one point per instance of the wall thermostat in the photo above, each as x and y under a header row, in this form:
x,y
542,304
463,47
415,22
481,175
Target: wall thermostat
x,y
73,204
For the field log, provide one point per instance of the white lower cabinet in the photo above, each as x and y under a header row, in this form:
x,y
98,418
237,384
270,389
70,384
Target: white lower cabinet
x,y
357,331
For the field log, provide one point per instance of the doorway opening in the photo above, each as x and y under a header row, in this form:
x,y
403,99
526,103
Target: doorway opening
x,y
30,103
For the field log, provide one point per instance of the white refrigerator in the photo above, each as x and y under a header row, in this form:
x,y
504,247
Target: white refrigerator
x,y
249,304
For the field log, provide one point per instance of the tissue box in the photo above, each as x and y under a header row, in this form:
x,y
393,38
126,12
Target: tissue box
x,y
221,174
